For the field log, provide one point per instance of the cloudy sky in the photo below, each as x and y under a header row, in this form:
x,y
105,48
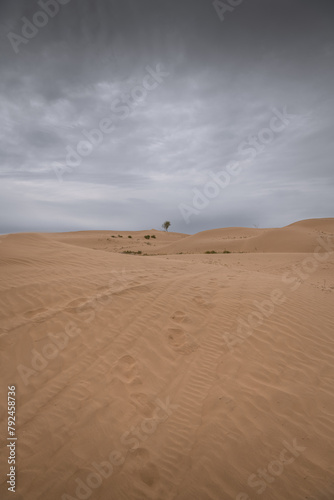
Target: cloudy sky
x,y
120,114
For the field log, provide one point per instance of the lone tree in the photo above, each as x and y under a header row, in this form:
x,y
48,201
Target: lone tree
x,y
166,225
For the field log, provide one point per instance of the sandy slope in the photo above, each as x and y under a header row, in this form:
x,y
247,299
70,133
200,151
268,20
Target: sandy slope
x,y
170,370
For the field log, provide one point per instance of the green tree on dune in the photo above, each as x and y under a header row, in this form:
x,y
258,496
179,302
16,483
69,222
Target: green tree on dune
x,y
166,225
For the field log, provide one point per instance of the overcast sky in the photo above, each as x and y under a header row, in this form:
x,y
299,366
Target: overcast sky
x,y
175,91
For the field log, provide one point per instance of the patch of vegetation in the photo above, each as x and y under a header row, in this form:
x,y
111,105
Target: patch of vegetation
x,y
120,236
147,236
213,251
113,236
130,252
129,236
153,236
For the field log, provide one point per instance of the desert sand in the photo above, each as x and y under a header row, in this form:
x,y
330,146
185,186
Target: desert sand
x,y
172,374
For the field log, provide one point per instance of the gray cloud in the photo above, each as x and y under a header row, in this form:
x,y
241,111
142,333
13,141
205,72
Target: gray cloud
x,y
225,79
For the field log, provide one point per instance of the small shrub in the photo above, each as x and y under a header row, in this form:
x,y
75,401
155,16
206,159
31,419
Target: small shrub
x,y
130,252
226,251
153,236
113,236
120,236
210,251
147,236
129,236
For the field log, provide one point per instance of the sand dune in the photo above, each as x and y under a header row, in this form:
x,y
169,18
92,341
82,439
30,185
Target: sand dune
x,y
298,237
170,377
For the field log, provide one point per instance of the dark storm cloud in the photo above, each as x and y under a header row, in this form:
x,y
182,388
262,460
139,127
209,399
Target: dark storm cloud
x,y
225,79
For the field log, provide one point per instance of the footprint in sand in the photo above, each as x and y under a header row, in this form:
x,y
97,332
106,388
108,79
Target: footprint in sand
x,y
149,474
180,341
76,305
201,301
33,314
126,370
179,317
138,456
143,404
144,472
